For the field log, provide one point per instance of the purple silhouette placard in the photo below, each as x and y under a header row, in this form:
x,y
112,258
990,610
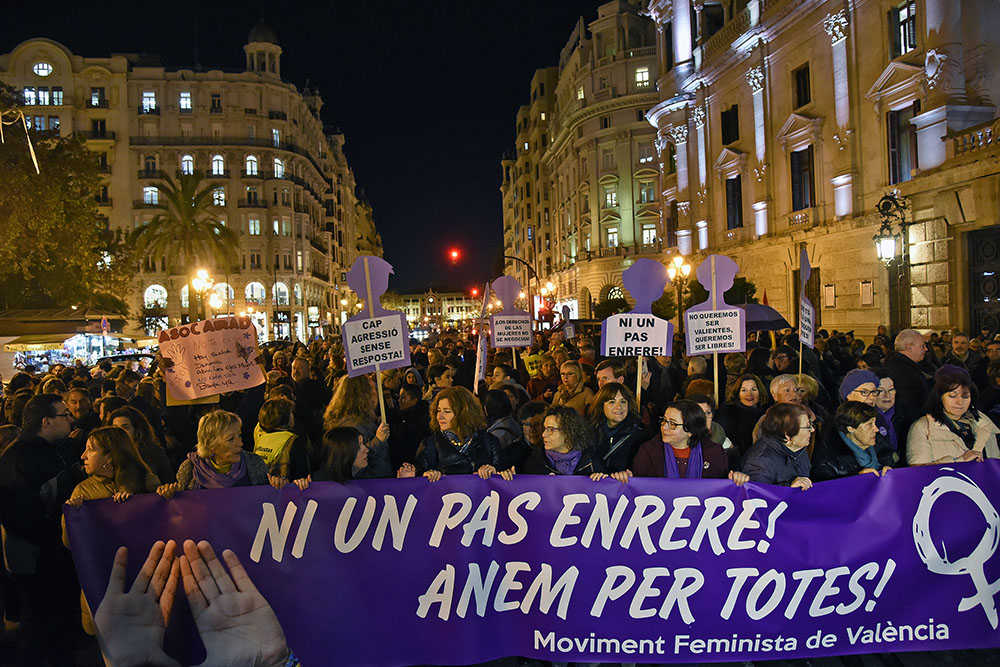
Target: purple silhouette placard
x,y
376,339
807,315
714,326
639,333
510,327
568,328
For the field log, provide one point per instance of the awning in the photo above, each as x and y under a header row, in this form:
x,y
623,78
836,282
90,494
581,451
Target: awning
x,y
38,342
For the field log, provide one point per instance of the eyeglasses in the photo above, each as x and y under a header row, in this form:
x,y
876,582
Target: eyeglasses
x,y
865,393
670,423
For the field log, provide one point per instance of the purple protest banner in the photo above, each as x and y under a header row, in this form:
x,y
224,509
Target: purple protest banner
x,y
400,572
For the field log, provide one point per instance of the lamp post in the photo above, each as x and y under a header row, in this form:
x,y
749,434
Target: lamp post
x,y
678,270
891,209
531,274
201,283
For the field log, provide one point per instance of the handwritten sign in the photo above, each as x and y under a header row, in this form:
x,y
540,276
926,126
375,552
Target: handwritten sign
x,y
210,357
510,327
714,326
639,332
371,341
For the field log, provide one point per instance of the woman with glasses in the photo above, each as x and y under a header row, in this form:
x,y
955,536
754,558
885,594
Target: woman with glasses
x,y
568,447
854,446
781,455
684,448
458,443
614,416
952,430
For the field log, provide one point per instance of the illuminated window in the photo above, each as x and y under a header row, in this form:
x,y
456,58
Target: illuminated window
x,y
187,165
642,77
610,197
218,165
612,237
279,168
251,165
219,196
148,101
253,226
184,103
150,195
579,93
42,69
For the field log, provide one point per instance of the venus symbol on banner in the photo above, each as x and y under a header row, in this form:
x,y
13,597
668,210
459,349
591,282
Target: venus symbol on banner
x,y
972,564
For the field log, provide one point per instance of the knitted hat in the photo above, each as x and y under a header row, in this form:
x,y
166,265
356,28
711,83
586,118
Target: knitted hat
x,y
855,379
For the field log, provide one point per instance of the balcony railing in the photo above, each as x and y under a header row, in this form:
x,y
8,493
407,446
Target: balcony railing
x,y
976,138
640,52
149,111
319,244
141,203
97,136
721,41
257,174
802,218
320,275
97,104
220,174
277,115
150,173
252,203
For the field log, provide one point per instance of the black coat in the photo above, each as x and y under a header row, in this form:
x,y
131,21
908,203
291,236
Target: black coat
x,y
437,453
538,464
617,447
407,429
833,459
770,462
739,422
912,387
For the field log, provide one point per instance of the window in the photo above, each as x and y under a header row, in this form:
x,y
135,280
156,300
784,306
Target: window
x,y
30,95
216,105
640,116
218,165
648,234
97,98
287,259
543,115
251,165
53,122
642,77
612,237
734,203
184,102
647,192
285,200
579,93
607,158
253,226
276,137
149,164
586,242
610,196
298,261
280,293
903,29
801,80
148,101
187,165
902,143
98,127
279,168
155,296
255,292
275,226
43,96
150,195
646,153
252,199
730,124
42,69
36,123
605,122
57,96
801,164
286,226
297,291
219,196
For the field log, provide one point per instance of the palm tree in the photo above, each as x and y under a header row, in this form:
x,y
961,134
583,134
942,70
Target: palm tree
x,y
187,231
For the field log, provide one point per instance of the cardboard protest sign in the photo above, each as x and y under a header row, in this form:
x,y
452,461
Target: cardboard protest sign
x,y
714,327
378,339
210,357
568,328
510,327
639,332
807,315
564,569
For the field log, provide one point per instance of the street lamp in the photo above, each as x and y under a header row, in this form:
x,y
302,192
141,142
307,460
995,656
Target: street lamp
x,y
891,209
678,270
201,283
215,302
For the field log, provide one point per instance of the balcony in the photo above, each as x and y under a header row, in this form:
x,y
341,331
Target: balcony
x,y
640,52
802,219
320,275
96,135
720,42
141,203
104,169
249,112
148,111
299,208
319,244
257,174
97,104
215,108
217,174
103,201
150,173
973,139
251,203
277,115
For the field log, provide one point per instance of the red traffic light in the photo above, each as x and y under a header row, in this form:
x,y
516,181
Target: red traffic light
x,y
475,291
454,254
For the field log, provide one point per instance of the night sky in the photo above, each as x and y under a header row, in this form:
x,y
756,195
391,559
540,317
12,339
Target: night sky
x,y
425,93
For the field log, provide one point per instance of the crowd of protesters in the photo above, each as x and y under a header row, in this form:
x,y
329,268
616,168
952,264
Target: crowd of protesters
x,y
74,434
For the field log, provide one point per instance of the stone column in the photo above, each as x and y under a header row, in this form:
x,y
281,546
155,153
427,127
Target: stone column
x,y
678,135
836,26
698,116
756,79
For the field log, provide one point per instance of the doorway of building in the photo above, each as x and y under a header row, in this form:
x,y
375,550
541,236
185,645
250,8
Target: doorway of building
x,y
984,279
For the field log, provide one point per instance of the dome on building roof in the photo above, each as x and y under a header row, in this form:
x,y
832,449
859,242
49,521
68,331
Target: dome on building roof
x,y
262,32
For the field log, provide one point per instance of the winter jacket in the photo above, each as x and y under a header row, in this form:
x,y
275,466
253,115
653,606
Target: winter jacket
x,y
833,459
651,460
436,452
912,386
617,446
579,401
739,421
514,449
539,464
930,440
769,461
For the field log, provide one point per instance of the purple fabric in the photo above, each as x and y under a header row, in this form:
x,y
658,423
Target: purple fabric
x,y
671,469
565,464
856,565
207,477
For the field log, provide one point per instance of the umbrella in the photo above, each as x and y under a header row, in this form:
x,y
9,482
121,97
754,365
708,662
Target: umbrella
x,y
764,318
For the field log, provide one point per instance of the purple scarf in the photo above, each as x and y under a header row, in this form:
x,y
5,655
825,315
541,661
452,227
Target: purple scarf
x,y
670,469
207,477
565,464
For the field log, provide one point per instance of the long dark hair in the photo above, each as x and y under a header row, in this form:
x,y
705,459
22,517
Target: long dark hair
x,y
144,433
695,422
131,470
576,431
948,378
608,393
340,449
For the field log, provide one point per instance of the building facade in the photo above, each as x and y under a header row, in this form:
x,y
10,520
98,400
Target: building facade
x,y
435,308
780,124
280,179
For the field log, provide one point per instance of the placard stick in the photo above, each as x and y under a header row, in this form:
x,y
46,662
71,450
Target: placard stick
x,y
513,358
378,367
638,382
715,355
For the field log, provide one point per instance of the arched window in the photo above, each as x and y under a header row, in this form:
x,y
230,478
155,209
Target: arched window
x,y
226,293
251,165
218,165
219,196
255,293
616,293
155,296
185,302
187,165
280,294
150,195
298,294
279,168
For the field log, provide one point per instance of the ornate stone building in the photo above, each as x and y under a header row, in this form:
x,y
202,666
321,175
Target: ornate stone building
x,y
781,123
281,177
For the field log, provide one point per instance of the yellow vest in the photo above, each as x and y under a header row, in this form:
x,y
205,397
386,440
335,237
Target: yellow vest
x,y
269,446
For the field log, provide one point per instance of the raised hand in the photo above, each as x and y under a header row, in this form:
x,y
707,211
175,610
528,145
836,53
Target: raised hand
x,y
130,624
236,624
